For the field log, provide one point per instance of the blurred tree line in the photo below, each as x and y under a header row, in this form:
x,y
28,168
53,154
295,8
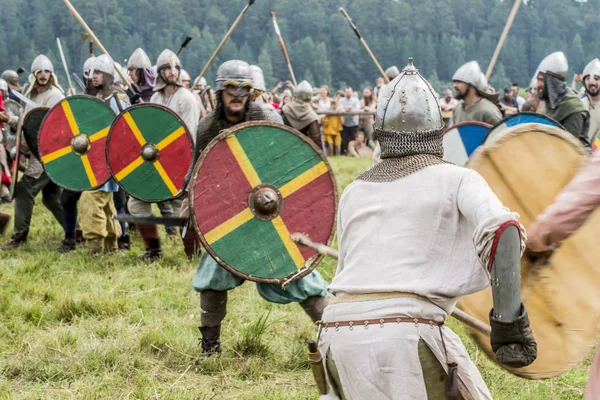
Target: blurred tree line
x,y
440,35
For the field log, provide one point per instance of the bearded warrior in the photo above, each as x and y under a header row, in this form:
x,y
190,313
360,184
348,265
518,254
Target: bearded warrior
x,y
431,226
300,115
142,76
471,90
45,92
562,103
591,81
234,106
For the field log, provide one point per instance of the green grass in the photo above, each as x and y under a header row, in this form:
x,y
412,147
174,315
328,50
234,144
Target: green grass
x,y
113,328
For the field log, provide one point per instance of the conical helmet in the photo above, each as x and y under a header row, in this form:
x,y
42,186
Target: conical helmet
x,y
11,76
41,63
258,78
593,68
304,91
392,72
103,63
87,67
167,59
470,73
139,59
185,76
233,70
408,118
555,63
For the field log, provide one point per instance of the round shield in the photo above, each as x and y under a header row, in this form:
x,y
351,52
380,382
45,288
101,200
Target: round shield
x,y
255,185
31,128
72,143
13,109
527,166
461,140
518,119
149,152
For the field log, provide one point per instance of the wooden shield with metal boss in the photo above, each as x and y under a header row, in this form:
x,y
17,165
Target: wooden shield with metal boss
x,y
149,152
253,186
72,143
461,140
518,119
31,128
527,166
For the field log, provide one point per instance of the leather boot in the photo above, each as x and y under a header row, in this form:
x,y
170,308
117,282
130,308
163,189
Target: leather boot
x,y
16,241
124,242
191,243
4,220
213,308
79,236
314,307
152,240
69,244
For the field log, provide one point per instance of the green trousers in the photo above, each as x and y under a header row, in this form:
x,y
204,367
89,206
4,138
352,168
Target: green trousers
x,y
27,189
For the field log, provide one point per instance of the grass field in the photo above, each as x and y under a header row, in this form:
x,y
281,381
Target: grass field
x,y
114,328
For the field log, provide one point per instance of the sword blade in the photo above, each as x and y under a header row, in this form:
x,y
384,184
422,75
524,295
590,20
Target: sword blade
x,y
172,221
79,82
64,61
24,99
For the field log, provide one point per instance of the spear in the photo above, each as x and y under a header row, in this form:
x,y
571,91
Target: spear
x,y
184,44
366,46
509,23
285,53
220,46
94,39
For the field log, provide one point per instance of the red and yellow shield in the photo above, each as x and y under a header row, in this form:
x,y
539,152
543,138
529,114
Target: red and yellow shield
x,y
149,152
72,143
253,186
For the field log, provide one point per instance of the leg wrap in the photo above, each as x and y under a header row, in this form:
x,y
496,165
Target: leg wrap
x,y
213,307
505,272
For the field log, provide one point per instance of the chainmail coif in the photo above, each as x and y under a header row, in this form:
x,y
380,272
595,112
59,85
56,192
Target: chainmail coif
x,y
404,153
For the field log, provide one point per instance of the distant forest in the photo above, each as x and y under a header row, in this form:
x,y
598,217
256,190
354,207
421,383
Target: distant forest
x,y
440,35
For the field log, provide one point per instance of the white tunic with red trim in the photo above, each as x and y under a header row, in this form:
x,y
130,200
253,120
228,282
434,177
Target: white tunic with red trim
x,y
430,233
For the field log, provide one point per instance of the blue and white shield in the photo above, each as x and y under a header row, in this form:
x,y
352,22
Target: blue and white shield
x,y
461,140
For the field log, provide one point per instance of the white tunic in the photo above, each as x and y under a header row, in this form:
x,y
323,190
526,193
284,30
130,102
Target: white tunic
x,y
594,109
184,104
423,234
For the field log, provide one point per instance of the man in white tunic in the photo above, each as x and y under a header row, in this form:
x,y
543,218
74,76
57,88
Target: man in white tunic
x,y
415,234
591,81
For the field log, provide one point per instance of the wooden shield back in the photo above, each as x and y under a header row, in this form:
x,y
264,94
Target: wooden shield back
x,y
527,166
226,183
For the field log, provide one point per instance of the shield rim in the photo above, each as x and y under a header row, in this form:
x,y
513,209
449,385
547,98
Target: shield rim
x,y
558,124
477,123
187,133
481,340
17,160
301,273
25,119
44,121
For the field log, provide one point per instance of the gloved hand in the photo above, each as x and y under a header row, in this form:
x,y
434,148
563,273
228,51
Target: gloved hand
x,y
134,98
4,117
513,342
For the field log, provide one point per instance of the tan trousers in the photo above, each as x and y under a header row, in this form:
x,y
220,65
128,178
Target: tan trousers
x,y
100,230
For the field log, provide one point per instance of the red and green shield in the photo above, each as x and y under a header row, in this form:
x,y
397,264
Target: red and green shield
x,y
149,152
254,186
72,143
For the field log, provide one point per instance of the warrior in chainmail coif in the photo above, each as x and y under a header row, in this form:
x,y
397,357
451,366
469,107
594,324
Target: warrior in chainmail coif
x,y
431,225
561,102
